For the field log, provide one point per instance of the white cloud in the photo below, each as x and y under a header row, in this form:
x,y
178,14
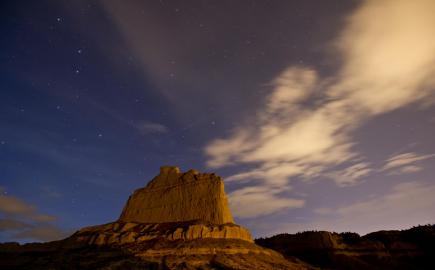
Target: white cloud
x,y
265,199
404,163
387,64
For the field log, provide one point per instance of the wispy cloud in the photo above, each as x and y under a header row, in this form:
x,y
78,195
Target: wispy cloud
x,y
306,125
23,221
265,199
350,175
13,225
142,126
146,127
13,206
405,163
403,206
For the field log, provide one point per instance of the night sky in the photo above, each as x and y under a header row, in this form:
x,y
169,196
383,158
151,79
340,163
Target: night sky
x,y
317,114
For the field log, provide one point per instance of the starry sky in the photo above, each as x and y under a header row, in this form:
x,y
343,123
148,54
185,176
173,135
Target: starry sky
x,y
317,114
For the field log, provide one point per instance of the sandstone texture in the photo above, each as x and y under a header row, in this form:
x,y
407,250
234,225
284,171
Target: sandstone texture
x,y
123,233
173,196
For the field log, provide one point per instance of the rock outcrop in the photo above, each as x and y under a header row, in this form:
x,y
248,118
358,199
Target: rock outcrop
x,y
173,196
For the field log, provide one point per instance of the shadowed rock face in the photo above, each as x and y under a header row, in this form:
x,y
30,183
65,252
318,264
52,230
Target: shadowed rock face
x,y
407,249
173,196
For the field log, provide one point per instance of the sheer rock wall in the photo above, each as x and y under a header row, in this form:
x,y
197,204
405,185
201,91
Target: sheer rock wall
x,y
173,196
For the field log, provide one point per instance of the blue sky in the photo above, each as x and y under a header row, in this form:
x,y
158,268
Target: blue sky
x,y
317,115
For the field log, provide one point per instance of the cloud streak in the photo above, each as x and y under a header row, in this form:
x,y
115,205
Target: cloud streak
x,y
13,206
306,125
405,163
20,220
264,199
146,127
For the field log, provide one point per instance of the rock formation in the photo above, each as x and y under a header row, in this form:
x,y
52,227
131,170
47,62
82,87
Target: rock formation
x,y
173,196
178,221
172,206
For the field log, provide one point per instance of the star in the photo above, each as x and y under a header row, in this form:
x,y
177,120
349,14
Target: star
x,y
79,51
2,142
100,135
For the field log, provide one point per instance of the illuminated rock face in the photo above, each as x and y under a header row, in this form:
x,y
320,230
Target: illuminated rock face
x,y
123,233
173,196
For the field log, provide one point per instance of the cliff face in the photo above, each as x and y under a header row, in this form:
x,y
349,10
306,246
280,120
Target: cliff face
x,y
173,196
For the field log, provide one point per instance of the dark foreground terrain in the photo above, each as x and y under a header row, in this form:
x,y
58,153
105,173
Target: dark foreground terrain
x,y
151,255
145,246
407,249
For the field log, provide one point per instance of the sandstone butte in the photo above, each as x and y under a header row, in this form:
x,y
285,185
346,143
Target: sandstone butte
x,y
173,196
178,221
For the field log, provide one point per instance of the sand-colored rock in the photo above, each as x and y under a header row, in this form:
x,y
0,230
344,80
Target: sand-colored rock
x,y
173,196
122,233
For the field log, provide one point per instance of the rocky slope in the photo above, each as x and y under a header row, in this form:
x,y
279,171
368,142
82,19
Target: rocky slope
x,y
206,254
408,249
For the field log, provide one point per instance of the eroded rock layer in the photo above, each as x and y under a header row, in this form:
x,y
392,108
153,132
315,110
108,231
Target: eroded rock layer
x,y
173,196
122,233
